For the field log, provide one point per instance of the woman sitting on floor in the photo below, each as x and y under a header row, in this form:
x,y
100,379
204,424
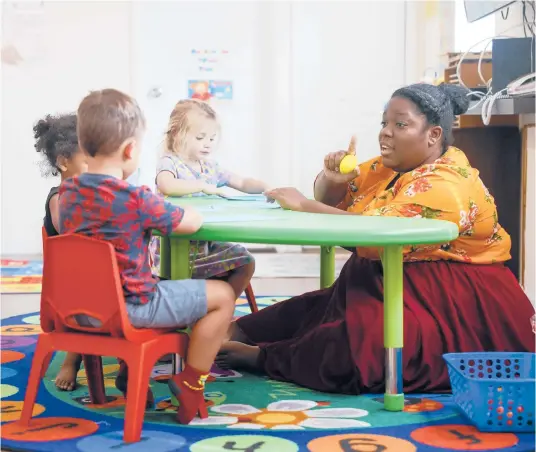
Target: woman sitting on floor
x,y
458,296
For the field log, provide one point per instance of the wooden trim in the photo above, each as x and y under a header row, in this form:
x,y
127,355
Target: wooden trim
x,y
523,213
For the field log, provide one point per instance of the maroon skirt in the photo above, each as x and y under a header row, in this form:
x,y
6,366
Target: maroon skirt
x,y
332,340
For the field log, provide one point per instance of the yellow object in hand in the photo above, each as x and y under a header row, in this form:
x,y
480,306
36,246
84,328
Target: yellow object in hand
x,y
348,164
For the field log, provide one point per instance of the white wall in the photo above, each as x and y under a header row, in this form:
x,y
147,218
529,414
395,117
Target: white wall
x,y
304,80
79,56
163,59
344,67
321,70
472,36
430,36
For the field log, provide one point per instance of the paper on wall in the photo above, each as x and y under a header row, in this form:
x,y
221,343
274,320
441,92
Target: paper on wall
x,y
23,33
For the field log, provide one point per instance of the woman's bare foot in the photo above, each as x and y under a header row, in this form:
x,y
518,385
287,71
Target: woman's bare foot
x,y
66,378
236,355
235,334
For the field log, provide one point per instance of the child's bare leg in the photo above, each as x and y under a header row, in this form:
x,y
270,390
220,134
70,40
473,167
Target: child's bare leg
x,y
209,332
66,378
205,341
241,277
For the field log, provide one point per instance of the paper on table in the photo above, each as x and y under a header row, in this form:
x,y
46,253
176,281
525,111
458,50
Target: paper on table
x,y
246,198
236,218
254,205
267,205
209,208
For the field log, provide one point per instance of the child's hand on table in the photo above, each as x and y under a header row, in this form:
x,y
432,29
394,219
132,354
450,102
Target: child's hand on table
x,y
209,189
269,199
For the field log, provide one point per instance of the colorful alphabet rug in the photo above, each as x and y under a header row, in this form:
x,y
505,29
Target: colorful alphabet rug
x,y
20,276
246,413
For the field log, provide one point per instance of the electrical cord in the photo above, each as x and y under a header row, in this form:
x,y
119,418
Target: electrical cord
x,y
487,105
531,26
526,22
524,18
487,83
487,99
533,6
488,40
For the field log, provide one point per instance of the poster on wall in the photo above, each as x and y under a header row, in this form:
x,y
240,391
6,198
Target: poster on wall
x,y
221,89
206,89
199,89
209,60
23,33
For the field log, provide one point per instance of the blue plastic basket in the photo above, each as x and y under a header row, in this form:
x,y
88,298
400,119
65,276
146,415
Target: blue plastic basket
x,y
495,390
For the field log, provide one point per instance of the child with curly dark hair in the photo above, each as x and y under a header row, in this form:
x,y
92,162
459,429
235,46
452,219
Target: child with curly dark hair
x,y
56,139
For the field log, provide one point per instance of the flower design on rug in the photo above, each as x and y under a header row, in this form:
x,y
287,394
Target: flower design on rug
x,y
284,415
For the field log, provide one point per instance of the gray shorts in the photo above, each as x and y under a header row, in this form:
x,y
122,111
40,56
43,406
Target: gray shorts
x,y
175,304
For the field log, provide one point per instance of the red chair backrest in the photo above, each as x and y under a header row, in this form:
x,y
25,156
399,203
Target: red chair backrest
x,y
44,237
81,277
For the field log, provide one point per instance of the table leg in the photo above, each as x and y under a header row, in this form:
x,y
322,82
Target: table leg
x,y
327,266
165,258
180,258
393,327
180,269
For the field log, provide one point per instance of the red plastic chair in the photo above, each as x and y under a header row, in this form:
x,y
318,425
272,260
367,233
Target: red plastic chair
x,y
250,296
81,277
44,237
92,364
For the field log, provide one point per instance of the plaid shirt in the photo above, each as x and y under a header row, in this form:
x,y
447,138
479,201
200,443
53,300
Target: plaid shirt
x,y
112,210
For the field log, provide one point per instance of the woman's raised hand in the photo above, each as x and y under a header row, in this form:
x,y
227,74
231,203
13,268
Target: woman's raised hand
x,y
332,163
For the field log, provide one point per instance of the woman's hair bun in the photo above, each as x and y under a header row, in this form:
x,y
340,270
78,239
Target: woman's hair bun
x,y
458,96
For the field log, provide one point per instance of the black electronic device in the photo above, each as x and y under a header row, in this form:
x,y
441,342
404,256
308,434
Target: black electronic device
x,y
511,59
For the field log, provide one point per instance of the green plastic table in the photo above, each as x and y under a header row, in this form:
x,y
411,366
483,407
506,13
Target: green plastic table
x,y
283,227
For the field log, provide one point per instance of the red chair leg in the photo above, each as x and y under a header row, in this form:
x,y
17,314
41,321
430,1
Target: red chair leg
x,y
251,299
95,379
139,373
41,360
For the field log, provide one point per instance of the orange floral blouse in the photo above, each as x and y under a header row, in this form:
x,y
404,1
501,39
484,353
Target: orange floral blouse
x,y
448,189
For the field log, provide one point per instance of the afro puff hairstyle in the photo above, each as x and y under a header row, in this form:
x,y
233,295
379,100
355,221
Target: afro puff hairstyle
x,y
55,136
